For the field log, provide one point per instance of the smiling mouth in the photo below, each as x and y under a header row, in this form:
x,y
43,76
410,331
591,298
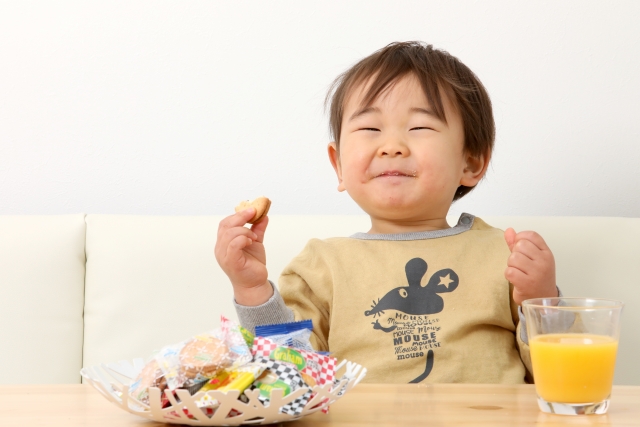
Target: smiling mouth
x,y
408,174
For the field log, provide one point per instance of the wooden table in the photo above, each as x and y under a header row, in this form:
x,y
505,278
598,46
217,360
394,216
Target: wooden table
x,y
365,405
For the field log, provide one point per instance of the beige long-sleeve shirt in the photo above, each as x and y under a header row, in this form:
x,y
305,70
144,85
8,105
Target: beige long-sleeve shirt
x,y
430,307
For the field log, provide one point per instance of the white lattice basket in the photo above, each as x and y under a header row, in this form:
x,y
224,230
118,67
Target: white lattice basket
x,y
112,381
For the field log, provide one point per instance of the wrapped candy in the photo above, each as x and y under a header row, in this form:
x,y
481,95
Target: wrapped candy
x,y
291,334
280,376
281,357
150,376
192,363
314,368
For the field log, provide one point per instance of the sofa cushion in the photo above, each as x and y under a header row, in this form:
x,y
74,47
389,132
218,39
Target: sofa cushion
x,y
42,267
150,281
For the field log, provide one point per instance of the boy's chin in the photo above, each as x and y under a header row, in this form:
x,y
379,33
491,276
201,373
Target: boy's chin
x,y
395,212
399,207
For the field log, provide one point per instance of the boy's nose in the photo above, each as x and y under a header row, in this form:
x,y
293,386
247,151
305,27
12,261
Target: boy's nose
x,y
393,147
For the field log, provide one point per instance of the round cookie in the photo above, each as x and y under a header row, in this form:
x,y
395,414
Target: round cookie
x,y
261,205
203,356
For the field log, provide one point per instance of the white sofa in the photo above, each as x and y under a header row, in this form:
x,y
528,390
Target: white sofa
x,y
84,289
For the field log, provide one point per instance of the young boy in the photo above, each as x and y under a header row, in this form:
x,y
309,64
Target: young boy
x,y
412,299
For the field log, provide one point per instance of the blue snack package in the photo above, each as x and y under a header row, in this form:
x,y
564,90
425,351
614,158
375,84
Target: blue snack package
x,y
291,334
283,328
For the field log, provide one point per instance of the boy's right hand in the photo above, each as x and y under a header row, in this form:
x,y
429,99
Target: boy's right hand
x,y
241,255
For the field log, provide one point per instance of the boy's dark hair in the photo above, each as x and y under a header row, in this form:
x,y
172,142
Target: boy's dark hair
x,y
435,70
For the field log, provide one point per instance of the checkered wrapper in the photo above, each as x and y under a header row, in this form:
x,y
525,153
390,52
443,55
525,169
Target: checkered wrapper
x,y
314,368
319,367
284,376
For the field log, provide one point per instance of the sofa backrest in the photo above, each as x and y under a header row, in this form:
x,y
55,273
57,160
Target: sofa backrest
x,y
153,280
42,267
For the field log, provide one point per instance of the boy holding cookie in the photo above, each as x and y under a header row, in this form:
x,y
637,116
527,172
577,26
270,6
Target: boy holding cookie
x,y
412,299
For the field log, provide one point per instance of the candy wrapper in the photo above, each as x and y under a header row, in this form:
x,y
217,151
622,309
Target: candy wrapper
x,y
150,376
314,368
221,360
239,379
292,334
193,362
280,376
319,367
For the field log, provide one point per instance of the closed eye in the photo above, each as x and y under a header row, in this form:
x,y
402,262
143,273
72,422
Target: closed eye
x,y
420,128
371,129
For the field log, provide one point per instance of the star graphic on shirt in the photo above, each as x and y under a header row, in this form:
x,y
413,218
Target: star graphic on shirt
x,y
446,280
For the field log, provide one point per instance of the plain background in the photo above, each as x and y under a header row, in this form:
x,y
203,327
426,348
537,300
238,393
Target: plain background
x,y
186,108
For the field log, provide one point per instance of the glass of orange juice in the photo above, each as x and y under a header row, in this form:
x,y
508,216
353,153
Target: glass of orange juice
x,y
573,344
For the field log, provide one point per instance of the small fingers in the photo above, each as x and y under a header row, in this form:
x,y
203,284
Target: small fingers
x,y
527,248
259,228
240,241
236,245
519,261
232,233
510,237
236,220
515,275
534,238
227,236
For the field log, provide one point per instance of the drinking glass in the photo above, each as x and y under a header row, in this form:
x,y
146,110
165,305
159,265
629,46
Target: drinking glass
x,y
573,344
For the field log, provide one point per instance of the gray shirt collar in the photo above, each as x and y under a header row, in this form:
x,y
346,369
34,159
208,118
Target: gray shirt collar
x,y
465,222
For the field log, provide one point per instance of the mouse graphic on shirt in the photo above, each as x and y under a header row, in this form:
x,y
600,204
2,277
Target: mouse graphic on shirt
x,y
414,303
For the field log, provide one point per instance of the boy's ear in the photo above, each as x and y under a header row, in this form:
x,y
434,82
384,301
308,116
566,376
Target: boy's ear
x,y
334,158
474,170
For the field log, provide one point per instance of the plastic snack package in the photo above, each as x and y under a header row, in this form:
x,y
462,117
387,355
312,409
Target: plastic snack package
x,y
237,339
280,376
314,368
241,378
247,335
237,379
200,358
215,382
168,359
291,334
192,363
150,376
283,328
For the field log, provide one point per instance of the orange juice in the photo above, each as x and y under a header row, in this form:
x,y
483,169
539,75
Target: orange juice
x,y
573,368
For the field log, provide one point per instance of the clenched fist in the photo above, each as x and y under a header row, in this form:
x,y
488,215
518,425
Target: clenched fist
x,y
531,267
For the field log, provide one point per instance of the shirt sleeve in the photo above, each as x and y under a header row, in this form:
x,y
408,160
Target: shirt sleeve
x,y
523,321
271,312
522,345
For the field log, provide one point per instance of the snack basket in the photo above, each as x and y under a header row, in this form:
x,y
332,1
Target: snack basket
x,y
113,380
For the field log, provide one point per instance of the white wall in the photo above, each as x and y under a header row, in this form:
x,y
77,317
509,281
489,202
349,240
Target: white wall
x,y
156,107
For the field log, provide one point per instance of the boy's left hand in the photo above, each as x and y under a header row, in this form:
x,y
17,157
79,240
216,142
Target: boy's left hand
x,y
531,267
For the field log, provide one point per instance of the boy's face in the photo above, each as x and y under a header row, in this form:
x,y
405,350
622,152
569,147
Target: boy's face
x,y
397,160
